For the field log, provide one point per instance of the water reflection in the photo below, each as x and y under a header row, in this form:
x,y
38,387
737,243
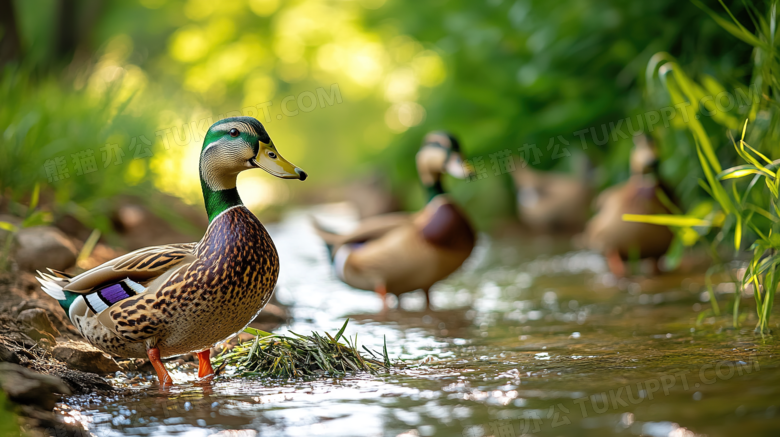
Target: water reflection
x,y
519,344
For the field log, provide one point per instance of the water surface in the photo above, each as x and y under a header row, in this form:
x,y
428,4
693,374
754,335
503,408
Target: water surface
x,y
530,338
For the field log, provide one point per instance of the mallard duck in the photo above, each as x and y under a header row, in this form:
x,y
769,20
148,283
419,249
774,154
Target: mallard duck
x,y
163,301
551,201
396,253
617,239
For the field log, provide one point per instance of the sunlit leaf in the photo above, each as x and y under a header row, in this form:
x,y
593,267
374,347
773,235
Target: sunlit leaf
x,y
688,236
34,198
718,192
718,219
666,220
738,172
37,218
89,246
8,227
738,233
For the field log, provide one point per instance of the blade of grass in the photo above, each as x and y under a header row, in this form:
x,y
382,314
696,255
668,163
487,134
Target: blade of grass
x,y
666,220
341,331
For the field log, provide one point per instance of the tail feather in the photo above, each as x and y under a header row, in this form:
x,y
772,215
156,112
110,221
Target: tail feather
x,y
54,284
51,285
329,235
59,274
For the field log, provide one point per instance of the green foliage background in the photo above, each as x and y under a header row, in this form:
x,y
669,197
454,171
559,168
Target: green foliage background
x,y
499,74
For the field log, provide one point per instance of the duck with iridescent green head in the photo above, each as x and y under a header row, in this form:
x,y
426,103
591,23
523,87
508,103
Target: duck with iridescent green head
x,y
163,301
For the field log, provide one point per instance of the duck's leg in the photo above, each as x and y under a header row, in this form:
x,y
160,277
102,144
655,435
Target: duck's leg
x,y
205,371
427,292
656,268
381,290
615,264
162,373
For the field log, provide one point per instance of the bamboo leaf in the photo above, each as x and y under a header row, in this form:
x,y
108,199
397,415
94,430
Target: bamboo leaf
x,y
694,125
772,187
760,155
9,227
89,246
34,198
666,220
718,192
738,233
738,172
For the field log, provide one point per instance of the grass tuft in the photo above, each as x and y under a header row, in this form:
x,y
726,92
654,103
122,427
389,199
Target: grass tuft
x,y
302,356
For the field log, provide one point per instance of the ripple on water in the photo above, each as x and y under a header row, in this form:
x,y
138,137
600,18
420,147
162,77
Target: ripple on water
x,y
522,342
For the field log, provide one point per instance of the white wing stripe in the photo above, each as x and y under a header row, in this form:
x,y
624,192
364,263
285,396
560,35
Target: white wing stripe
x,y
138,288
340,260
96,303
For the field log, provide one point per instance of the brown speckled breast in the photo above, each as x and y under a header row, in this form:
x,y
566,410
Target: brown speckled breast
x,y
205,302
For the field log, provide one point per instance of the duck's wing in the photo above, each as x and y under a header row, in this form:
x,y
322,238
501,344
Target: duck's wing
x,y
96,291
140,266
368,229
444,225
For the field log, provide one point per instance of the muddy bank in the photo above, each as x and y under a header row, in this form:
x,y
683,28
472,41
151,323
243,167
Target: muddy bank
x,y
32,329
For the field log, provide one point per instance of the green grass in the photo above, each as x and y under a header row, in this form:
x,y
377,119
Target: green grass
x,y
746,220
43,119
311,356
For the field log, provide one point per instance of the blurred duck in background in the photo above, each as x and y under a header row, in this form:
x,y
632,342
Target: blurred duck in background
x,y
553,202
619,240
397,253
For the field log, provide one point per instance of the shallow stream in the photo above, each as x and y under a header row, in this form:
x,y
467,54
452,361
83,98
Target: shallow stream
x,y
530,338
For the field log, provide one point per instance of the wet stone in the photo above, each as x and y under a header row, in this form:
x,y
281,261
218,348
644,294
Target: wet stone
x,y
26,387
81,356
7,354
38,318
40,247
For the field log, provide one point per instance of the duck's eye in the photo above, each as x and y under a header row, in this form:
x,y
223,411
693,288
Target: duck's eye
x,y
272,155
234,132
